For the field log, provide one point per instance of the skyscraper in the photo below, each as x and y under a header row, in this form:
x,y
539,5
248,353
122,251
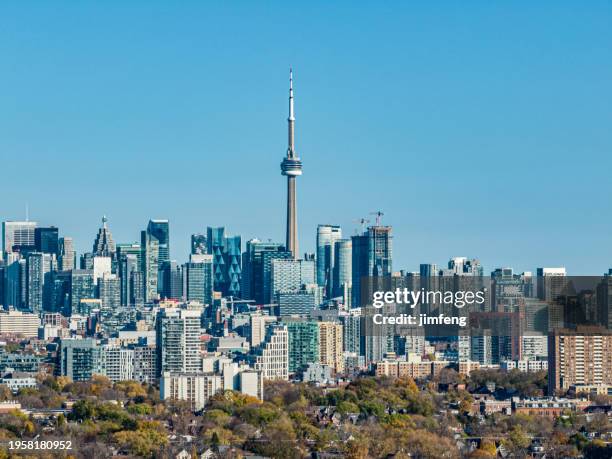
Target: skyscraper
x,y
66,254
46,240
552,282
82,288
198,275
130,249
160,230
109,292
15,284
372,257
17,235
291,275
171,280
252,282
39,266
292,168
149,259
128,265
227,260
343,268
104,246
198,244
60,291
129,258
327,235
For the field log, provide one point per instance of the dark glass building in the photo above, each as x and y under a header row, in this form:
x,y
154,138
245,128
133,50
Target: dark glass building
x,y
372,257
46,240
227,260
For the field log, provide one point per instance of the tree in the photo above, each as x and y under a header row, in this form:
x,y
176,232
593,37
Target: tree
x,y
81,410
5,393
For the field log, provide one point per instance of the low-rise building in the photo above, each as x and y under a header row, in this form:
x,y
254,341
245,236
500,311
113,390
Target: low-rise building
x,y
317,373
19,323
414,367
16,382
198,388
527,366
550,407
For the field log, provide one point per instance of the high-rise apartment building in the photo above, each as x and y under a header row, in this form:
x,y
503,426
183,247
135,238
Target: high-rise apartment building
x,y
303,343
351,328
272,357
257,329
331,350
79,359
145,364
579,357
117,362
178,340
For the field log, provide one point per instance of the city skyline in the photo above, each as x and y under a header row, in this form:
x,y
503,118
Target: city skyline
x,y
464,127
309,229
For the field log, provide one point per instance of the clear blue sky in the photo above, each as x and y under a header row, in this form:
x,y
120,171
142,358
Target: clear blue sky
x,y
481,129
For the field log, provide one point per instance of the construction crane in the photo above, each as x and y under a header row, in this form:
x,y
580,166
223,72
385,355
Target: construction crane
x,y
362,222
379,215
234,300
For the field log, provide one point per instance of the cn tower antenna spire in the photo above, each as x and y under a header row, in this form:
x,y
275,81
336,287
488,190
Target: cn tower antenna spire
x,y
292,168
291,119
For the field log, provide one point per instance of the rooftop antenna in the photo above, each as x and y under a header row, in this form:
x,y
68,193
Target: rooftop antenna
x,y
379,215
27,211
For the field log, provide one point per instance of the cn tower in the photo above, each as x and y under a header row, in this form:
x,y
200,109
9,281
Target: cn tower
x,y
292,168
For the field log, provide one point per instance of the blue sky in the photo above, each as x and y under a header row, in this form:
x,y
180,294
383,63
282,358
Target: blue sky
x,y
481,129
